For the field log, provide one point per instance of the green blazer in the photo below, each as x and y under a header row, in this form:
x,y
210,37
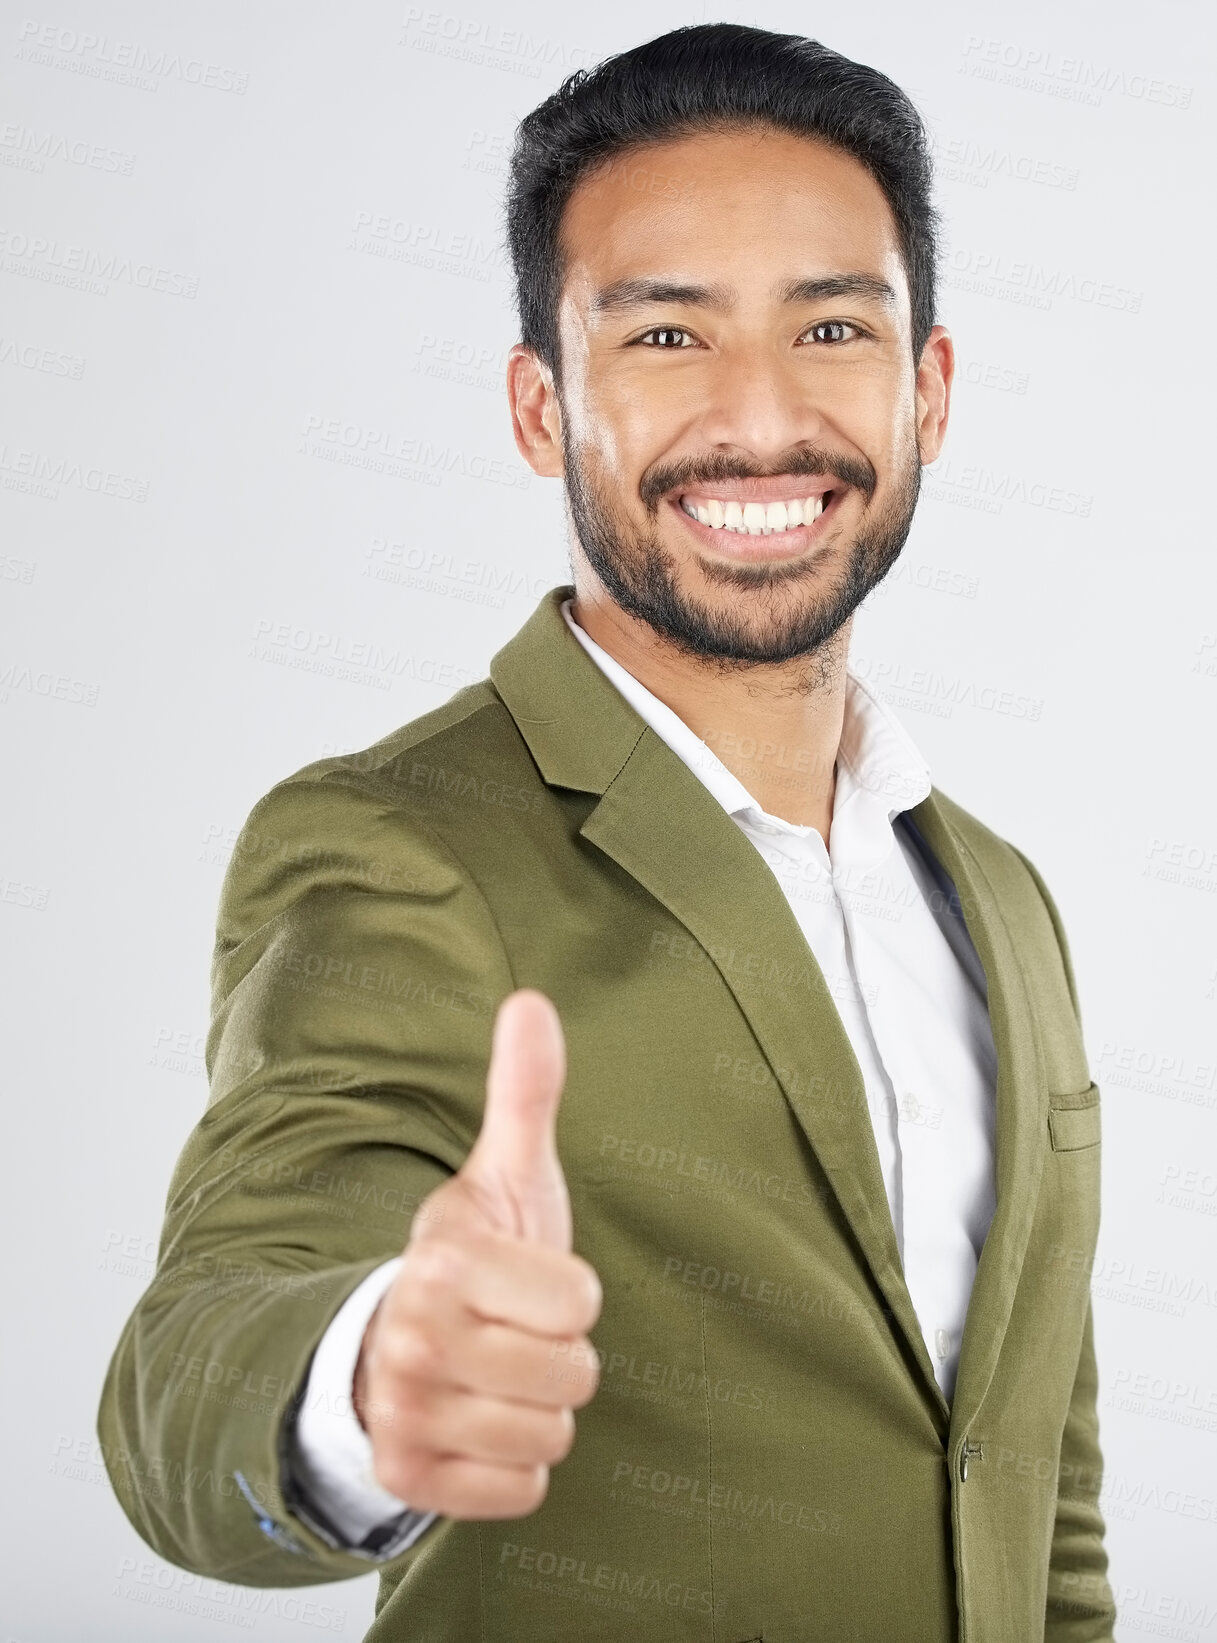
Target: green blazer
x,y
768,1455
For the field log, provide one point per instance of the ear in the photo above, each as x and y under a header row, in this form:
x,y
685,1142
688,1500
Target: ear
x,y
935,373
536,420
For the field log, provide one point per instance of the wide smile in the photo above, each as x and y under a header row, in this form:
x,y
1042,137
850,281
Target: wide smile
x,y
758,530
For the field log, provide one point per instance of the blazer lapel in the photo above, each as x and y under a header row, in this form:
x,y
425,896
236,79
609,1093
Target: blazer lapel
x,y
658,822
1022,1103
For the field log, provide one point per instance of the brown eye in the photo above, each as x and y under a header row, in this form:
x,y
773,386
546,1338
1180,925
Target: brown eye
x,y
664,331
837,325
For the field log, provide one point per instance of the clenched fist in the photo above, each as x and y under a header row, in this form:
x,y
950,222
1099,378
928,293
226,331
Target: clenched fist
x,y
477,1355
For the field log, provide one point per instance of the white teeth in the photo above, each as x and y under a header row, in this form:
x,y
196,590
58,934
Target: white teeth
x,y
755,518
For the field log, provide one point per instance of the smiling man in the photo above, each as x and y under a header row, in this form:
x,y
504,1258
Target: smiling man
x,y
642,1033
740,408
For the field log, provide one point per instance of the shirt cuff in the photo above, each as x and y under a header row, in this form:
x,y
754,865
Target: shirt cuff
x,y
329,1454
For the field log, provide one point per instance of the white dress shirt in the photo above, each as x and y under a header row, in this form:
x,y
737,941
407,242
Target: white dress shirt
x,y
885,927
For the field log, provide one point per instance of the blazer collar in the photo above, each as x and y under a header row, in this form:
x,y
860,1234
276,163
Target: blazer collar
x,y
578,726
584,735
880,772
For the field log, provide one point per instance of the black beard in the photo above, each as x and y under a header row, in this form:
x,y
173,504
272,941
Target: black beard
x,y
640,574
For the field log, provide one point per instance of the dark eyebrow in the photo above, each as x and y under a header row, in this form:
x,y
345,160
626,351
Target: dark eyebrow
x,y
639,293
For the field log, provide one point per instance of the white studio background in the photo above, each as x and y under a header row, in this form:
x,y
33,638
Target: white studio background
x,y
261,503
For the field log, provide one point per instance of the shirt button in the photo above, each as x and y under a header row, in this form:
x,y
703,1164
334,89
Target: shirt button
x,y
942,1342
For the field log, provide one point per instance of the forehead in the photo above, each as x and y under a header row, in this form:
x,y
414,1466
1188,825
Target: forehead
x,y
742,201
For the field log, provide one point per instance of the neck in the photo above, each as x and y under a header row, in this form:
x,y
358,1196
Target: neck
x,y
776,727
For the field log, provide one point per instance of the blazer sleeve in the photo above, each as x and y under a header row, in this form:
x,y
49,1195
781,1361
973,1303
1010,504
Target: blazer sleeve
x,y
356,974
1081,1605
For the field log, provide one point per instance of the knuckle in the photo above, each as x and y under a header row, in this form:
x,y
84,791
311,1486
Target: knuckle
x,y
533,1489
561,1437
431,1213
590,1378
402,1474
481,1200
415,1351
411,1405
590,1292
436,1265
379,1415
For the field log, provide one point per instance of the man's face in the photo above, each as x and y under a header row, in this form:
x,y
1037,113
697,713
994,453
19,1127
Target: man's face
x,y
708,360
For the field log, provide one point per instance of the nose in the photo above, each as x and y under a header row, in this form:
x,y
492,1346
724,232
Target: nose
x,y
753,400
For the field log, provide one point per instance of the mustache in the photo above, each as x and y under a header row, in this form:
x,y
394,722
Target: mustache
x,y
694,471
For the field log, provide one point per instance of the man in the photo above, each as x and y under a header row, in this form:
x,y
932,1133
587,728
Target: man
x,y
723,1079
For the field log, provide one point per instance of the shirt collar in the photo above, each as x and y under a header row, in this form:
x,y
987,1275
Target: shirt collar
x,y
880,771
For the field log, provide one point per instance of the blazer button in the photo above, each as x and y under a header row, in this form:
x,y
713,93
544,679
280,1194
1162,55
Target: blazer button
x,y
969,1448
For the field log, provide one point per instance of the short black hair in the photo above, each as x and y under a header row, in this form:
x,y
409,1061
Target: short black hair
x,y
712,77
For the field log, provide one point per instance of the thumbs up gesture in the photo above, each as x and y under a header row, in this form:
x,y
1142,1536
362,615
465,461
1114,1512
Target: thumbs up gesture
x,y
477,1356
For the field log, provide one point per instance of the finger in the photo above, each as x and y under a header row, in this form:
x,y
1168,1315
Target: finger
x,y
497,1276
528,1285
478,1427
459,1488
516,1151
490,1359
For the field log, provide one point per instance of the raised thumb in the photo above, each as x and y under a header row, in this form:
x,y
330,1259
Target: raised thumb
x,y
515,1157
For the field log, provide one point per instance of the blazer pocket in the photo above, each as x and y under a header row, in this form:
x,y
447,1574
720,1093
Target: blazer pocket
x,y
1073,1119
